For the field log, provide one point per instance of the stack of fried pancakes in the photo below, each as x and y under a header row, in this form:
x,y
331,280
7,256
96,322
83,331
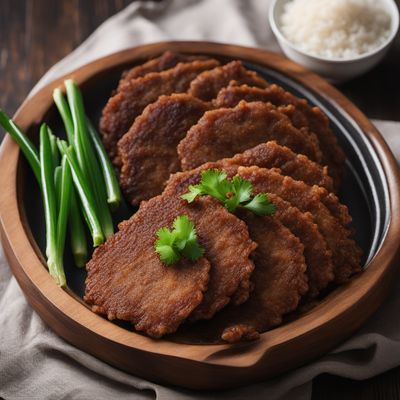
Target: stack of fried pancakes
x,y
172,118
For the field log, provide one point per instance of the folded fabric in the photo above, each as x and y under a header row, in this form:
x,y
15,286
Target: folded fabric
x,y
37,364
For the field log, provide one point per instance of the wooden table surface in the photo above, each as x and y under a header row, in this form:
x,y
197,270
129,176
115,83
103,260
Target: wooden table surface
x,y
35,34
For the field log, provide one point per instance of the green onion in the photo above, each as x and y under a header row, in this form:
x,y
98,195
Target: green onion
x,y
24,143
57,182
54,149
77,233
77,230
87,158
49,200
84,192
64,207
65,113
112,186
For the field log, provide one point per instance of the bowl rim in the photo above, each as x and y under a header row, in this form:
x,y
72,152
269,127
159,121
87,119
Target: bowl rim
x,y
395,22
61,308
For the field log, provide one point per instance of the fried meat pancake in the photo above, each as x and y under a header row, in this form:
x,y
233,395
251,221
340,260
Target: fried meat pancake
x,y
279,282
297,166
147,152
134,95
317,254
301,115
346,254
228,248
272,155
126,279
167,60
228,131
207,85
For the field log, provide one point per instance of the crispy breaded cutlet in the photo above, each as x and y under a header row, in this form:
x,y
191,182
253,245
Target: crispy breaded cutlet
x,y
228,248
134,95
126,279
279,283
225,132
147,152
279,280
345,252
346,255
297,166
301,115
273,155
207,85
167,60
317,254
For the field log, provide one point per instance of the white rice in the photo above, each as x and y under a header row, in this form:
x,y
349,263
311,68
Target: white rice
x,y
336,28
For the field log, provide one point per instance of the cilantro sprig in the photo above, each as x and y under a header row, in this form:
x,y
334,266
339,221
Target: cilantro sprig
x,y
179,242
233,194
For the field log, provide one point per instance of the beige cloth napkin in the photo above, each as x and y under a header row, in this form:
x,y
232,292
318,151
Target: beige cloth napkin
x,y
36,364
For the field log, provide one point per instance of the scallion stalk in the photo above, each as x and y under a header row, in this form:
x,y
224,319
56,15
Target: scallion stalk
x,y
24,143
77,230
64,207
111,183
50,210
84,192
87,157
57,182
54,149
65,112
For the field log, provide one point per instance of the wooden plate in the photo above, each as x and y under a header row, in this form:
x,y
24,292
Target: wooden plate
x,y
371,191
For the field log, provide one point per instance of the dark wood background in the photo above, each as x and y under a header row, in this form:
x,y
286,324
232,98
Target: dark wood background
x,y
35,34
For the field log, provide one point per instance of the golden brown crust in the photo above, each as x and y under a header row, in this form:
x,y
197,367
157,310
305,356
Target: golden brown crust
x,y
228,131
279,282
126,279
147,152
167,60
301,115
346,254
207,85
228,248
317,254
134,95
272,155
279,278
332,202
240,333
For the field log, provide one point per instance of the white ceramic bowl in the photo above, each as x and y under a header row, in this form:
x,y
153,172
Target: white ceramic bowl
x,y
335,70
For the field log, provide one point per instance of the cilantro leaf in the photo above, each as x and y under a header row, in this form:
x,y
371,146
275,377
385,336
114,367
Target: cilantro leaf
x,y
215,183
167,254
192,251
241,192
235,193
180,242
194,191
260,205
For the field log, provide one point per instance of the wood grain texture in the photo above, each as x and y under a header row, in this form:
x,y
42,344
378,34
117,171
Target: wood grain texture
x,y
27,51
